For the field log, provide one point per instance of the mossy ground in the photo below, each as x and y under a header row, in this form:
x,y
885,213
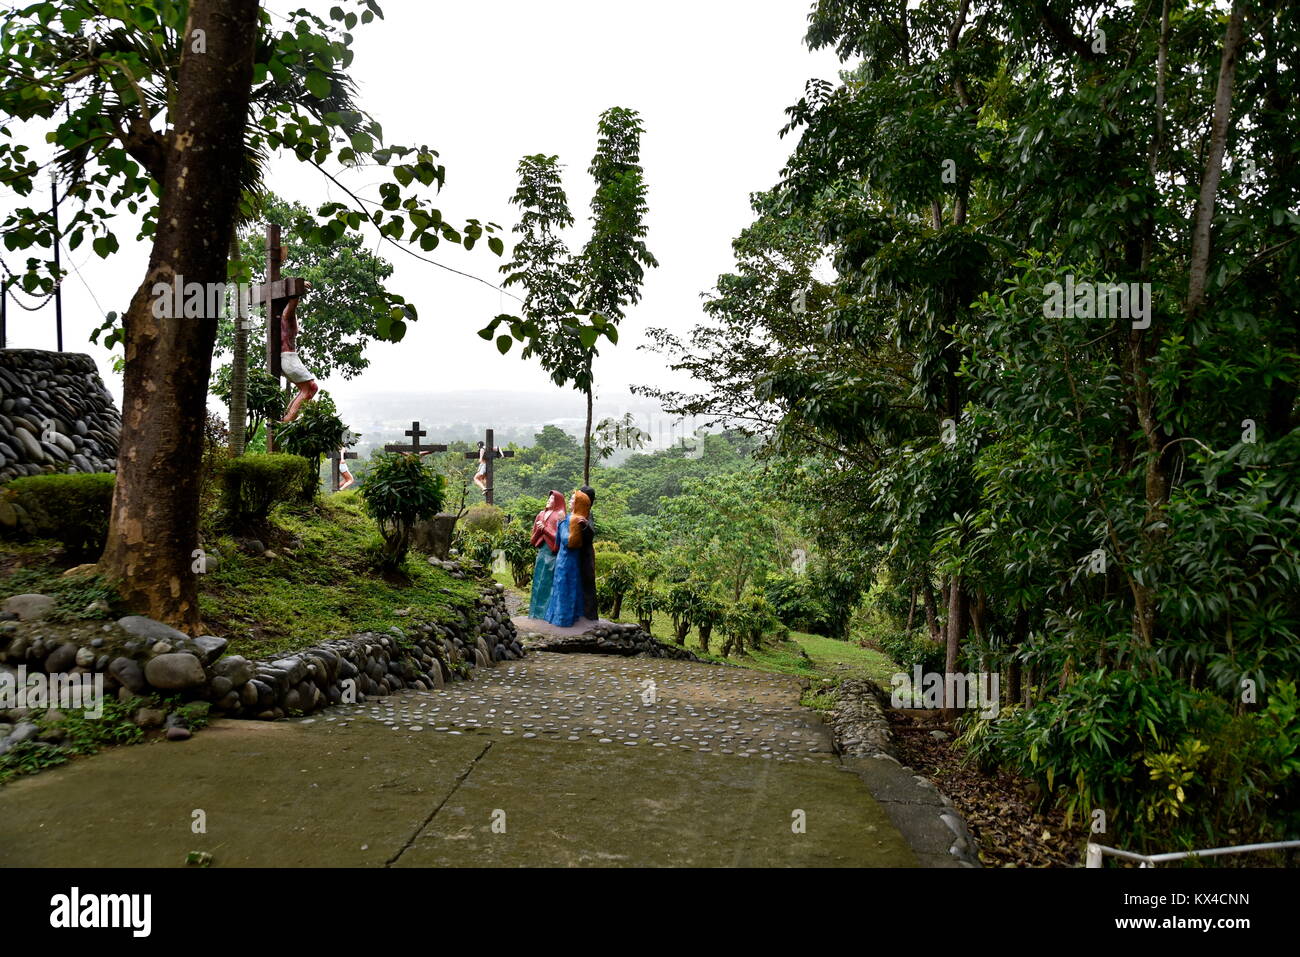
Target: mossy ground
x,y
82,735
325,586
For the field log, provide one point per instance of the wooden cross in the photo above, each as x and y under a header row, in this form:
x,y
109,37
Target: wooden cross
x,y
335,466
415,448
490,453
273,294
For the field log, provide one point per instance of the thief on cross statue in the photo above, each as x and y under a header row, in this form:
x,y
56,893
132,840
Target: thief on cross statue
x,y
290,364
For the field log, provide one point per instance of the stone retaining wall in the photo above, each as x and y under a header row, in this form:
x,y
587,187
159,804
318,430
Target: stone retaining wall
x,y
609,639
138,656
55,415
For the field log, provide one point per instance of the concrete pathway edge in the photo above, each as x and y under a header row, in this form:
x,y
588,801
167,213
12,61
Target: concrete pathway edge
x,y
923,814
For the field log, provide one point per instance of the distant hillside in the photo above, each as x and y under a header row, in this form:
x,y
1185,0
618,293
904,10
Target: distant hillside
x,y
383,417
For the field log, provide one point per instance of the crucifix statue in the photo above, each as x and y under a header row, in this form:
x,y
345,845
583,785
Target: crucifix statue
x,y
486,454
416,447
280,297
339,464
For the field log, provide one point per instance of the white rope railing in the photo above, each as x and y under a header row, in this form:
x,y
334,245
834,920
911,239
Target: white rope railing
x,y
1095,852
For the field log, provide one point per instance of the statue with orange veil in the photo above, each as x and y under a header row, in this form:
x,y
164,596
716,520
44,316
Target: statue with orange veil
x,y
573,591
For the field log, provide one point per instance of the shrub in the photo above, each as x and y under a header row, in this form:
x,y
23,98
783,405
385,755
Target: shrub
x,y
73,509
1168,765
910,648
400,491
517,548
216,453
796,602
317,431
253,483
682,600
747,621
707,615
616,572
478,545
486,518
644,599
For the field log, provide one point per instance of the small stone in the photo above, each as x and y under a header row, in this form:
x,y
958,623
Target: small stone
x,y
29,607
220,686
235,667
23,731
128,674
139,626
210,647
177,733
175,671
61,659
149,717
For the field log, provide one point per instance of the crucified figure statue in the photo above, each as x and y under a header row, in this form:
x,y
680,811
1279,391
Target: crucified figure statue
x,y
290,364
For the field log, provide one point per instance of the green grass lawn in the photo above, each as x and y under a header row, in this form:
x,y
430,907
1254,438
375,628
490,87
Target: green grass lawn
x,y
810,656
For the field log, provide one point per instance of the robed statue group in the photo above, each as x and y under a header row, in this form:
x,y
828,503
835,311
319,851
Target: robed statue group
x,y
564,575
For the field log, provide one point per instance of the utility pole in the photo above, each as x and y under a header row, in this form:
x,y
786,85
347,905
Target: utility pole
x,y
58,286
238,362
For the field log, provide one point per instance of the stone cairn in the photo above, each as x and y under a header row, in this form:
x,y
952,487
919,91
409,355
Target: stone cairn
x,y
138,657
55,415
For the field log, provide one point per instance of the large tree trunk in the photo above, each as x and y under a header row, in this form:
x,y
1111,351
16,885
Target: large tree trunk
x,y
238,367
154,525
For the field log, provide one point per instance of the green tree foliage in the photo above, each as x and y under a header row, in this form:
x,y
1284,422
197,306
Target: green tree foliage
x,y
1088,493
616,573
338,318
265,399
516,547
400,491
571,302
723,529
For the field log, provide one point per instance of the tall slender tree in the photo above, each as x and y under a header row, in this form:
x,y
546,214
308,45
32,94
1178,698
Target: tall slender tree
x,y
571,302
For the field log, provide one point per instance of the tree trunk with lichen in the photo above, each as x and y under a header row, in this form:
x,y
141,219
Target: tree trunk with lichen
x,y
153,529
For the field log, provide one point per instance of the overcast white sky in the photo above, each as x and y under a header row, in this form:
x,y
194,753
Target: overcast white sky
x,y
485,83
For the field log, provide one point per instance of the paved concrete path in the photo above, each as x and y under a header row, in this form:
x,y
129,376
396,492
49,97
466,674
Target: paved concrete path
x,y
555,760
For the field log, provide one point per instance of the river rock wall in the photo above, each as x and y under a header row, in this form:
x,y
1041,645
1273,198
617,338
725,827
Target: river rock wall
x,y
139,657
55,415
